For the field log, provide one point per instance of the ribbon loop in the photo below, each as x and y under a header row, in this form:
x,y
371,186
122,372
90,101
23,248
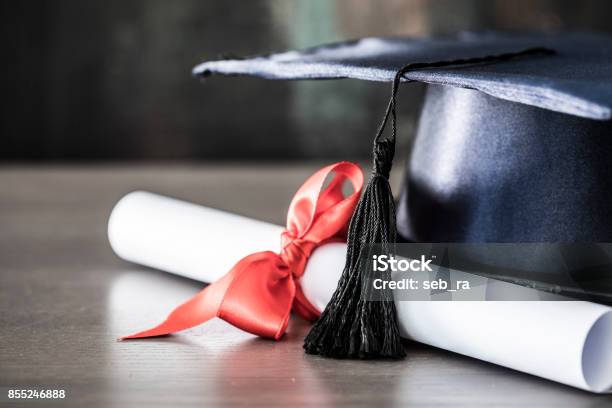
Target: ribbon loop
x,y
259,292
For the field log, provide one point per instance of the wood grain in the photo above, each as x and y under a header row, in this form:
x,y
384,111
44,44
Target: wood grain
x,y
65,298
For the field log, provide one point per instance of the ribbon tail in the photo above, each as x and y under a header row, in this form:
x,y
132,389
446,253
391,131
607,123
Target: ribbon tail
x,y
255,295
197,310
303,307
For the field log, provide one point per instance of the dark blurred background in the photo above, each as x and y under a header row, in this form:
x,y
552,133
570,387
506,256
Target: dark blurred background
x,y
110,80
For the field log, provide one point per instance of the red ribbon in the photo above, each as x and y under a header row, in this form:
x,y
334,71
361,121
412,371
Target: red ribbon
x,y
258,293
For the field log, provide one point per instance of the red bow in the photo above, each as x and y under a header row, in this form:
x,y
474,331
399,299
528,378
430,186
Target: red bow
x,y
257,294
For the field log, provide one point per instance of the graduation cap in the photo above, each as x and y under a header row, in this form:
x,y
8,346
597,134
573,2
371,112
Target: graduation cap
x,y
514,144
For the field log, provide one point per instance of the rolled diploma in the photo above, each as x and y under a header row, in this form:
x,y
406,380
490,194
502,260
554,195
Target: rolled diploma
x,y
568,342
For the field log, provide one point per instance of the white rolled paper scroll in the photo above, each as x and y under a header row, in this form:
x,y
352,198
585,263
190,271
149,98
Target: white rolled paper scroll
x,y
568,342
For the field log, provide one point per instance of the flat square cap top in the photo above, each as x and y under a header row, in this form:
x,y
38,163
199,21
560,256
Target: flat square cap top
x,y
576,80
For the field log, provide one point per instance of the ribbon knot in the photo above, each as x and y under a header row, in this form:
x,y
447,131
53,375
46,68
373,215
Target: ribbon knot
x,y
295,253
259,292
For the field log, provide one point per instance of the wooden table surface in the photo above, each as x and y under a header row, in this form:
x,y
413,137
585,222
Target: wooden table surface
x,y
65,298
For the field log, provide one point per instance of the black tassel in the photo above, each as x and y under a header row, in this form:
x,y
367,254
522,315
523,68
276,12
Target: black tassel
x,y
353,325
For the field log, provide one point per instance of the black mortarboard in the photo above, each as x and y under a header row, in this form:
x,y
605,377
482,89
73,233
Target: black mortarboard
x,y
514,144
